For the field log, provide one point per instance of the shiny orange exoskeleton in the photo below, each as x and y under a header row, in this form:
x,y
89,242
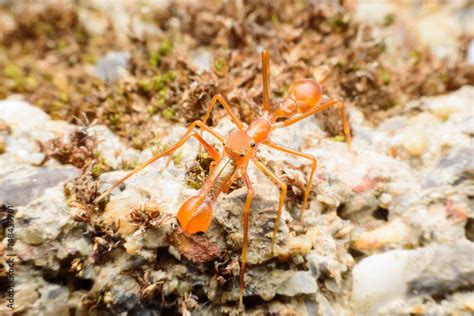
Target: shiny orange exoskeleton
x,y
303,100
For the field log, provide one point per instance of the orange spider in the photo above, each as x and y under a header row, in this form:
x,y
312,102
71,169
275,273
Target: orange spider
x,y
195,215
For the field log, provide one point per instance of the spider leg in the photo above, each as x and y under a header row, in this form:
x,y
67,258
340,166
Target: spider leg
x,y
266,80
248,202
283,191
227,108
189,133
270,144
229,183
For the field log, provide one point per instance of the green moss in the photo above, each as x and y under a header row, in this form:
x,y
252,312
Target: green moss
x,y
388,19
160,82
177,158
115,118
194,184
64,97
30,83
89,59
155,59
100,166
166,47
137,142
56,109
61,45
416,55
338,21
159,103
220,64
170,75
13,72
339,138
196,175
145,85
169,113
385,76
156,147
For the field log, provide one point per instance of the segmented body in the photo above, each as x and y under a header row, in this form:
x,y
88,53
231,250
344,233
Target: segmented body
x,y
218,178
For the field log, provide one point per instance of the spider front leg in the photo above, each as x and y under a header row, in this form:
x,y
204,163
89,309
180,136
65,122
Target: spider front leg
x,y
248,202
266,80
270,144
283,191
227,108
189,133
203,127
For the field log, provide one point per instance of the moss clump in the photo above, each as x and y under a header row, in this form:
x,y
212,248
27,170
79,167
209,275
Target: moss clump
x,y
169,114
220,66
13,72
385,76
100,166
388,20
165,49
197,173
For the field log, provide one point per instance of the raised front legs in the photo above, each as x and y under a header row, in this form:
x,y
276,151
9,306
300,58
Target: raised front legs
x,y
189,133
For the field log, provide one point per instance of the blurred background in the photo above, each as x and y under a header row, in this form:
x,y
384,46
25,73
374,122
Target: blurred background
x,y
121,62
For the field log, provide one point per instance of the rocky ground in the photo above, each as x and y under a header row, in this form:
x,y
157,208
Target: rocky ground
x,y
389,228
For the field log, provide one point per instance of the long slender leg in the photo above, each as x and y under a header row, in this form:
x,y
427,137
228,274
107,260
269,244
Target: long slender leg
x,y
214,154
320,108
248,202
266,80
187,135
300,154
227,108
283,189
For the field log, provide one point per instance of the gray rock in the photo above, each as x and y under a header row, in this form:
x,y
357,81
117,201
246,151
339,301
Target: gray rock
x,y
389,278
302,282
44,218
20,187
53,301
442,269
112,66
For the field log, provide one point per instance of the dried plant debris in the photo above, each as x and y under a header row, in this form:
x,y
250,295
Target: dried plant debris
x,y
78,151
148,216
169,73
146,68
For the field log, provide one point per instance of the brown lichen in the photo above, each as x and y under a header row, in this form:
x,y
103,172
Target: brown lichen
x,y
78,151
196,248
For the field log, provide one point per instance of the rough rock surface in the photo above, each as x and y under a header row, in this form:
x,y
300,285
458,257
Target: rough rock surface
x,y
348,255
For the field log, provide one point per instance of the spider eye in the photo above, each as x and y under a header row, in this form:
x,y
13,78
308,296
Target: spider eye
x,y
241,155
223,144
253,145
